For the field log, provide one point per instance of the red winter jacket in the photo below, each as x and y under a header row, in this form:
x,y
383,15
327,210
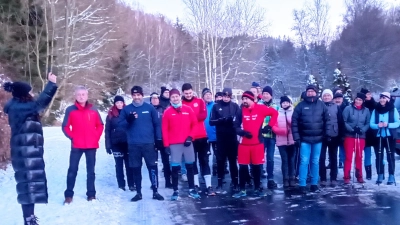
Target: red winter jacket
x,y
252,119
199,108
83,125
177,125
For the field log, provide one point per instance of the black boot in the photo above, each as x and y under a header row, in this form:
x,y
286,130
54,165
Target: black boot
x,y
32,220
272,184
368,172
137,197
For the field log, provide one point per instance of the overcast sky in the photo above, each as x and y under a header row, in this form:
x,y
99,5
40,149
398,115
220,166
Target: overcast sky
x,y
278,12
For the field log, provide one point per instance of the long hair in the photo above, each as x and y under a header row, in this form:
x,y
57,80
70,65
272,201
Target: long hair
x,y
26,98
113,111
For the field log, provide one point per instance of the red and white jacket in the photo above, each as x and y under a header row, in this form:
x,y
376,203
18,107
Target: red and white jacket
x,y
178,124
199,108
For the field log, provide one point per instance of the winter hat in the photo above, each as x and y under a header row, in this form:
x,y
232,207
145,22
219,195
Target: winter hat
x,y
337,95
163,89
267,89
219,94
335,90
255,84
285,99
327,91
313,87
185,86
18,89
386,95
248,94
174,91
137,89
119,98
364,91
154,94
361,96
205,91
227,92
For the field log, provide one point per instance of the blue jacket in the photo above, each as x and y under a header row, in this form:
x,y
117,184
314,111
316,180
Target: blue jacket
x,y
146,128
211,133
392,126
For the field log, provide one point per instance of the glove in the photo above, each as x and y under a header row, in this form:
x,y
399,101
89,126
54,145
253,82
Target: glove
x,y
297,143
357,130
159,144
168,150
247,135
131,117
109,151
188,141
267,129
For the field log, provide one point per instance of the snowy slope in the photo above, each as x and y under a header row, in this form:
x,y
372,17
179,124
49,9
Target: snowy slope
x,y
113,206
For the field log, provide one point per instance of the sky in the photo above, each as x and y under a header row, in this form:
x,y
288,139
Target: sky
x,y
278,12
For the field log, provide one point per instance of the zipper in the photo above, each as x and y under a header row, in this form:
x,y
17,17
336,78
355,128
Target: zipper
x,y
287,134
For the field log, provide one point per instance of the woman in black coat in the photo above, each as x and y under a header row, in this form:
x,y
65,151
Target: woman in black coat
x,y
117,144
27,143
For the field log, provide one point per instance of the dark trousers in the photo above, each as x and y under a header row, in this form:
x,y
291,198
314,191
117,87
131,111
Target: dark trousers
x,y
244,175
288,153
28,210
121,157
227,149
136,153
75,157
166,165
333,159
202,153
381,144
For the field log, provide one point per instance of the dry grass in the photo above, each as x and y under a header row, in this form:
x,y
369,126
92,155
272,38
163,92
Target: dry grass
x,y
5,131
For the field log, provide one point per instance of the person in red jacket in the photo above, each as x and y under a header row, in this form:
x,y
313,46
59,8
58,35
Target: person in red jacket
x,y
82,124
201,148
251,148
178,129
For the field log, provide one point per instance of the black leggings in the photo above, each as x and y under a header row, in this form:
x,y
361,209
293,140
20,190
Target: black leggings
x,y
28,210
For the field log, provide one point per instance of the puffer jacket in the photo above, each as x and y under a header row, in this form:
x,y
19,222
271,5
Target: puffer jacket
x,y
335,127
354,117
115,132
282,128
27,146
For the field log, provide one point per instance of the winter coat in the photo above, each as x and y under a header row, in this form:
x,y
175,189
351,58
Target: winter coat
x,y
282,128
27,146
224,110
164,102
252,119
146,128
371,134
83,125
272,105
178,124
199,108
310,121
388,114
115,132
354,117
211,132
336,124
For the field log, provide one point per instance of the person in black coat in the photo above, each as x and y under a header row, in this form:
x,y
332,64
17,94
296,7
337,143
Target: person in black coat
x,y
117,144
370,104
27,143
164,98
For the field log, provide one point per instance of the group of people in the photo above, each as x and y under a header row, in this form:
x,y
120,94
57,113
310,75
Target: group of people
x,y
186,130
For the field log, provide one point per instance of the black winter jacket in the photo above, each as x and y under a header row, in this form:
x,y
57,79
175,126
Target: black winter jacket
x,y
27,146
224,110
164,102
310,121
115,132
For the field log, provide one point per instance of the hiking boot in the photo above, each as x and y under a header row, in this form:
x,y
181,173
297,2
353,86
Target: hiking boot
x,y
240,194
175,196
271,184
292,182
194,194
391,180
323,183
380,179
157,196
91,198
286,183
333,183
122,188
137,197
210,191
68,200
303,189
368,172
32,220
315,189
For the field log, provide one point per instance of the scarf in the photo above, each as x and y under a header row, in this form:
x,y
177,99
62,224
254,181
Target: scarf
x,y
384,109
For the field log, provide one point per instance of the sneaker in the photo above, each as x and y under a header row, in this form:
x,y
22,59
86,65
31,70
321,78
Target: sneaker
x,y
32,220
391,180
380,179
91,198
210,191
137,197
157,196
259,193
240,194
323,184
122,188
132,188
194,194
184,177
68,200
272,184
220,191
315,189
175,196
197,188
333,183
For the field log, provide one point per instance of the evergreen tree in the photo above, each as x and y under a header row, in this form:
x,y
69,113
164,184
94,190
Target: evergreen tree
x,y
341,81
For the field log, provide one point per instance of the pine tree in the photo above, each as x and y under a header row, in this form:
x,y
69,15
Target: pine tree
x,y
341,81
313,81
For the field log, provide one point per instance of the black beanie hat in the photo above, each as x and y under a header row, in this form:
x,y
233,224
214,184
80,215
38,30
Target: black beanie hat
x,y
137,89
227,91
119,98
313,87
362,96
337,95
364,91
285,99
163,89
255,84
205,91
18,89
186,86
248,94
268,89
219,94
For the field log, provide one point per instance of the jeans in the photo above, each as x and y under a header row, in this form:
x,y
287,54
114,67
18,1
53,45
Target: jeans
x,y
269,144
332,152
74,159
288,153
309,153
367,156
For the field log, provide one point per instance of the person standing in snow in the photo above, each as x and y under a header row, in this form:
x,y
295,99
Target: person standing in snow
x,y
370,135
27,144
117,145
164,98
285,142
356,119
81,119
309,126
338,100
251,147
384,121
211,135
200,145
144,136
223,114
179,126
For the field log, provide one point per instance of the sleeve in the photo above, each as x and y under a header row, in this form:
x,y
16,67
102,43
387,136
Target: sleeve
x,y
123,116
107,133
202,111
346,115
156,123
165,126
372,123
99,125
46,96
213,116
366,122
237,122
295,123
66,125
193,123
272,113
341,126
279,130
327,119
396,122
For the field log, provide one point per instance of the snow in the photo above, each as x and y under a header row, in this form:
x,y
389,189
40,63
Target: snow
x,y
113,206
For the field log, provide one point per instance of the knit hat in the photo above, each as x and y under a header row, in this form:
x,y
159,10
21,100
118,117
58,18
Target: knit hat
x,y
337,95
119,98
285,99
255,84
219,94
154,94
336,89
327,91
386,95
18,89
185,86
248,94
313,87
364,91
174,91
361,96
227,92
267,89
163,89
205,91
137,89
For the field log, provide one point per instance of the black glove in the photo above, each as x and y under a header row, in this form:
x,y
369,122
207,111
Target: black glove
x,y
266,130
131,117
159,144
297,143
168,150
247,134
357,130
188,141
109,151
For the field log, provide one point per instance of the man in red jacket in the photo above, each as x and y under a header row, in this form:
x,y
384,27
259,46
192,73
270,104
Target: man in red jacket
x,y
178,129
82,124
251,148
201,148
